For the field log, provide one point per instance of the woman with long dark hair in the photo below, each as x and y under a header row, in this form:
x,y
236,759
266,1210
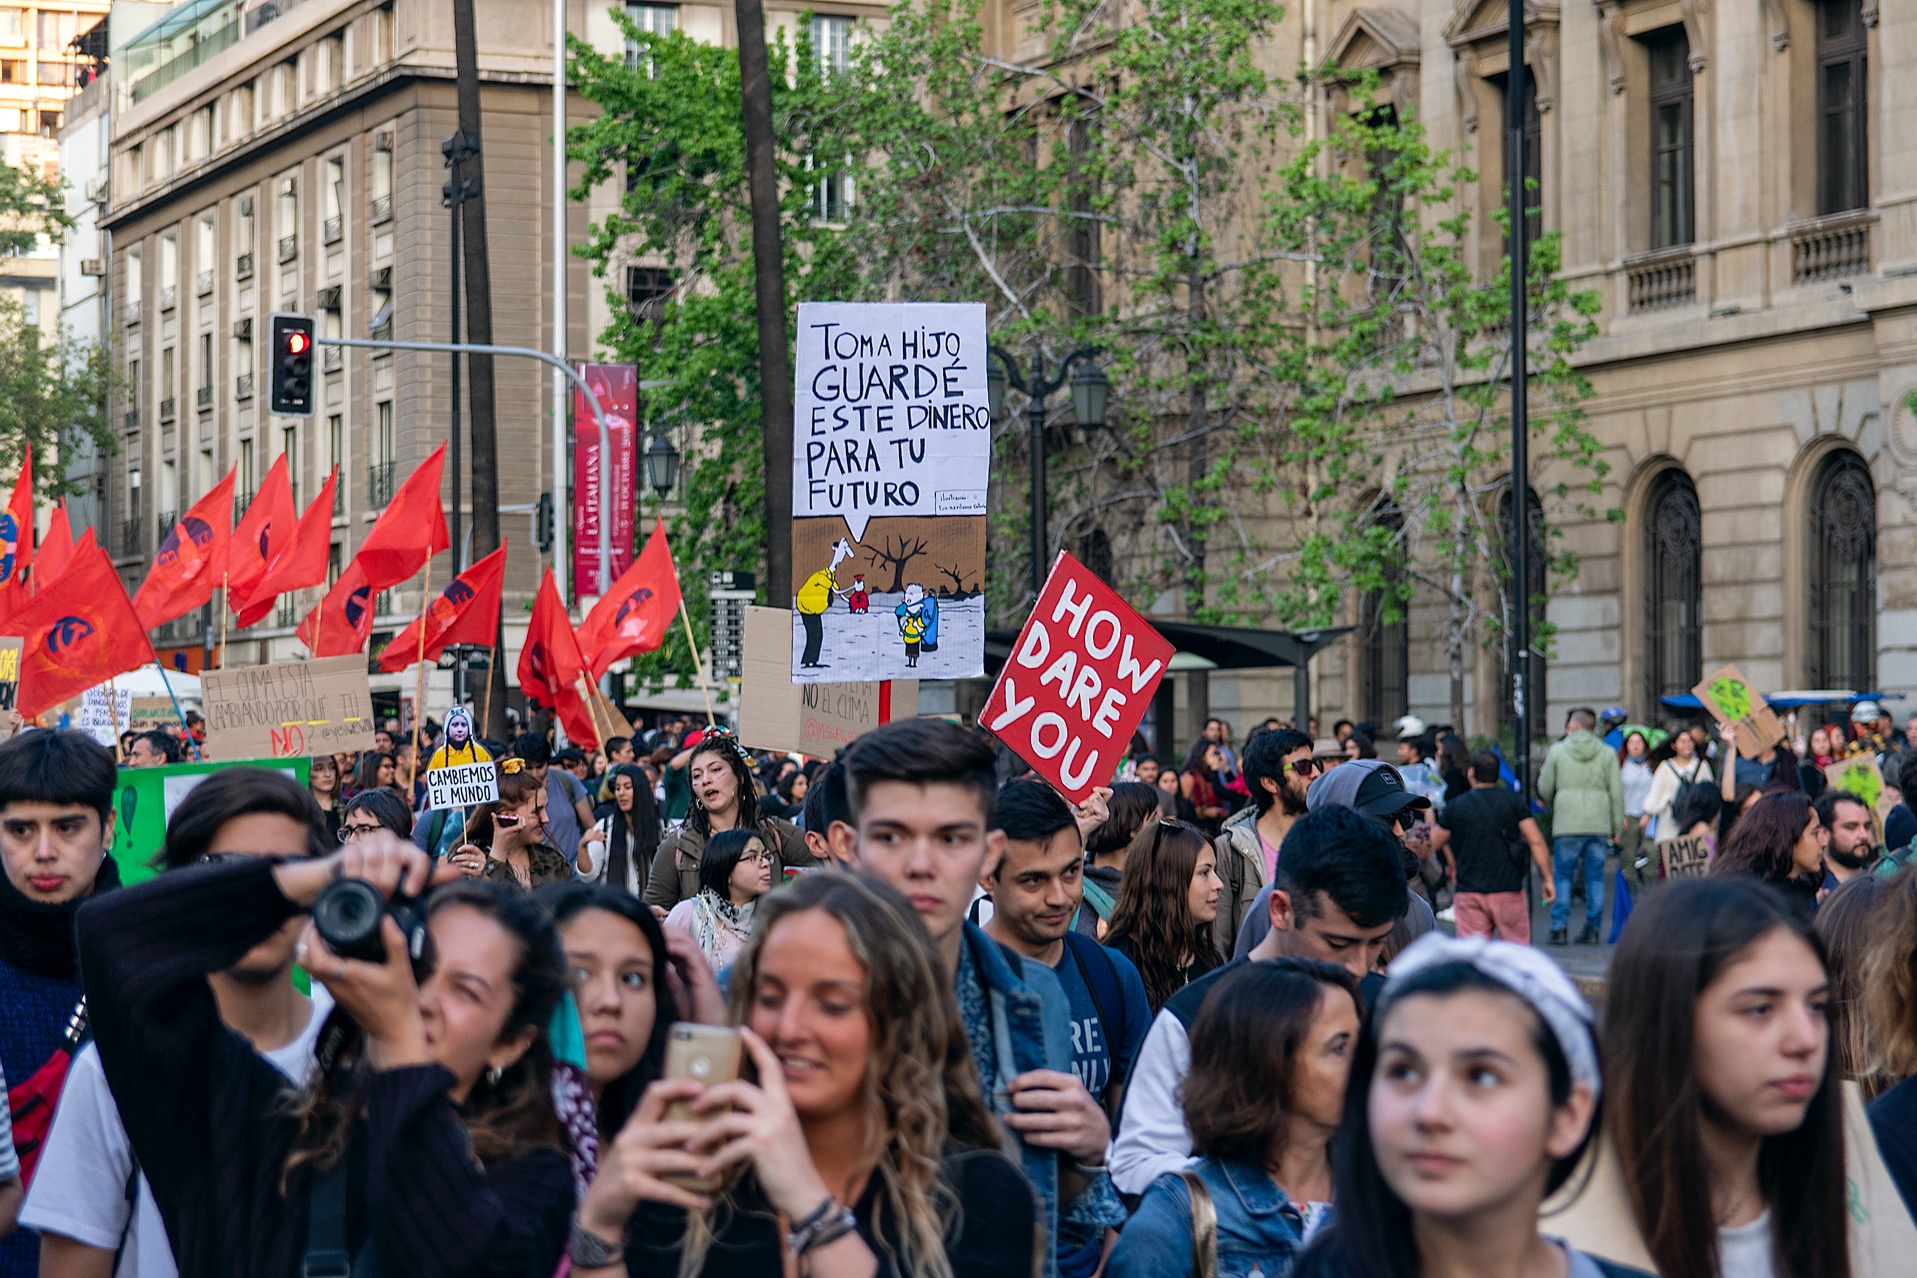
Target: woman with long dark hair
x,y
373,770
865,1131
1845,921
1674,764
734,873
1472,1097
506,840
723,798
1780,841
427,1144
1203,784
1167,905
323,782
628,825
1726,1118
1270,1055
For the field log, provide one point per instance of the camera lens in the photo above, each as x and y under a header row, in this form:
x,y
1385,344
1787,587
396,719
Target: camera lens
x,y
346,915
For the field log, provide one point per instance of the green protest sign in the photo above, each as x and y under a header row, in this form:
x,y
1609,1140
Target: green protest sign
x,y
144,800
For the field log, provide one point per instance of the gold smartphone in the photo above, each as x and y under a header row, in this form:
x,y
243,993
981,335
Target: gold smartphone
x,y
708,1054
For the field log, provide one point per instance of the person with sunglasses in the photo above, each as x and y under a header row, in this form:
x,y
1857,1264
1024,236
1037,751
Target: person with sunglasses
x,y
1278,770
506,840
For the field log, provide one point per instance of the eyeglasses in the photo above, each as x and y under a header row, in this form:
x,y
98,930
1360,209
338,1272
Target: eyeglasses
x,y
1303,767
347,833
757,858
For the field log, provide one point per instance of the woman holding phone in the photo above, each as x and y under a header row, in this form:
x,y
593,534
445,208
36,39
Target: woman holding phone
x,y
506,841
864,1149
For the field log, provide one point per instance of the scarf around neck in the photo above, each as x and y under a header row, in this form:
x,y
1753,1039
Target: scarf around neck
x,y
37,937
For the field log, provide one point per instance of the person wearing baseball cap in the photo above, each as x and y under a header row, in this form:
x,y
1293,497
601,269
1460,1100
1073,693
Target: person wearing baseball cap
x,y
1372,788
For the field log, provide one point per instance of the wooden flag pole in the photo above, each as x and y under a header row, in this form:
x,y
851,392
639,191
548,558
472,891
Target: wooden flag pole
x,y
224,609
696,664
485,714
419,687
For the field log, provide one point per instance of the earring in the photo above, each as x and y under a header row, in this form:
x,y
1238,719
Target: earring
x,y
492,1075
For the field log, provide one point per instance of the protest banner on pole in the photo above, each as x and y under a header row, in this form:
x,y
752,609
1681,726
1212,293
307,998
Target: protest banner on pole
x,y
461,772
288,709
1078,681
1730,698
891,458
815,718
144,800
1685,858
103,713
617,386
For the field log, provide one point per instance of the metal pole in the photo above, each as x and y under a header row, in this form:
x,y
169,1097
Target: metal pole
x,y
1035,414
525,352
562,509
1517,100
459,560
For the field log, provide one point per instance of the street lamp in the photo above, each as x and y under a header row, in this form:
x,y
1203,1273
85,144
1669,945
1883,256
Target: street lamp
x,y
1089,391
662,466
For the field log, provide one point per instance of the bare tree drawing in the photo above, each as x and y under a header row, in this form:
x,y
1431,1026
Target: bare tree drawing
x,y
897,559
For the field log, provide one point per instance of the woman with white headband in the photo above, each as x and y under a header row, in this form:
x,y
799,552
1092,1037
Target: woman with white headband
x,y
1473,1096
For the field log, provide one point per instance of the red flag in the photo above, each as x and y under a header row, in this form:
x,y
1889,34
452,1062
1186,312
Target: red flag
x,y
192,559
80,631
16,537
339,626
55,552
550,663
636,613
302,562
264,531
467,611
411,530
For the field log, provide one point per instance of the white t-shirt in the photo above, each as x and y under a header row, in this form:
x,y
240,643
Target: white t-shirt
x,y
1744,1251
79,1189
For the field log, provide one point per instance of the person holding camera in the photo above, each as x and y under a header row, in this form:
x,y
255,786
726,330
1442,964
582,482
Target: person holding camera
x,y
427,1142
89,1199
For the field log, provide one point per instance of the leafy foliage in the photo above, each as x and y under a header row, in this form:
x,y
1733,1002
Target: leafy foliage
x,y
52,396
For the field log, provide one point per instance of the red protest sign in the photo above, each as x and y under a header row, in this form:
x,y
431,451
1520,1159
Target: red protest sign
x,y
1078,681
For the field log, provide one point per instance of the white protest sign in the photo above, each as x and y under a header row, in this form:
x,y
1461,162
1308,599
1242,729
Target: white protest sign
x,y
892,451
104,717
462,785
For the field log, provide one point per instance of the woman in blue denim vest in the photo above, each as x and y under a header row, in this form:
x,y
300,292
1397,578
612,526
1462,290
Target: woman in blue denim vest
x,y
1270,1053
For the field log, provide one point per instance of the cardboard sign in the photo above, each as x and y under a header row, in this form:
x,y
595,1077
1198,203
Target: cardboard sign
x,y
814,718
1685,858
144,800
1731,699
891,459
1861,776
287,710
148,713
1078,681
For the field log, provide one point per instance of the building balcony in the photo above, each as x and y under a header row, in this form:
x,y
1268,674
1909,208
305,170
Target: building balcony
x,y
289,247
243,386
132,419
382,210
335,227
203,397
167,292
379,484
1661,280
130,535
241,500
288,612
168,409
243,267
203,284
332,358
133,312
339,501
168,518
1829,248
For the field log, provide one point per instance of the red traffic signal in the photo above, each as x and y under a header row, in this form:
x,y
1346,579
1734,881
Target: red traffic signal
x,y
290,371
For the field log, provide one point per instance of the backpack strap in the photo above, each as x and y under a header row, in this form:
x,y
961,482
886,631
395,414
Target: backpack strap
x,y
1204,1227
1101,978
326,1255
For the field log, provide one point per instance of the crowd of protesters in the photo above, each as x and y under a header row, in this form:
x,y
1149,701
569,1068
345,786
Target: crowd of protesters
x,y
1204,1023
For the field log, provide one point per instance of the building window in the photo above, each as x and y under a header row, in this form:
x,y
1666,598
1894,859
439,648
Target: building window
x,y
1083,234
333,193
245,479
1384,661
831,197
1673,580
1535,569
1672,220
30,307
169,270
286,219
648,288
243,238
1843,574
832,43
1533,159
653,19
1842,164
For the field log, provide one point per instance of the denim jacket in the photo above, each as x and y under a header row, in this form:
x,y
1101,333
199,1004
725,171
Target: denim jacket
x,y
1028,1024
1259,1229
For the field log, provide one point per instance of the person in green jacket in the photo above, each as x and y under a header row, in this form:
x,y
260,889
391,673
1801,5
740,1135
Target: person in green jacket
x,y
1584,789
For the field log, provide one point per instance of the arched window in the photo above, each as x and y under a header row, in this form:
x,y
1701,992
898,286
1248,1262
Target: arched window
x,y
1534,569
1843,574
1384,673
1673,589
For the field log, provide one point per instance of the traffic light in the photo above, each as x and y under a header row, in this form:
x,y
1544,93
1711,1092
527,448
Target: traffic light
x,y
291,373
542,523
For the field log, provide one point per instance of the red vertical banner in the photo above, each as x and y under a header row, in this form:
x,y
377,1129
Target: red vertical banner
x,y
617,386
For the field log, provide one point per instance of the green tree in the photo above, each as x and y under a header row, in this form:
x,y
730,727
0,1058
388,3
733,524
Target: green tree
x,y
53,397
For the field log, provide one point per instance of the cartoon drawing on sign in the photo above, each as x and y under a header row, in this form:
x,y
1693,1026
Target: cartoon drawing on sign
x,y
891,460
918,617
460,746
814,598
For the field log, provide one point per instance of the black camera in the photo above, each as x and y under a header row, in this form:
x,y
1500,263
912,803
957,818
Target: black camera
x,y
347,914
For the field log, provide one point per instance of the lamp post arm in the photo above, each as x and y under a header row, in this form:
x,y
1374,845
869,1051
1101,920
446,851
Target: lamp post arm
x,y
1045,388
1004,357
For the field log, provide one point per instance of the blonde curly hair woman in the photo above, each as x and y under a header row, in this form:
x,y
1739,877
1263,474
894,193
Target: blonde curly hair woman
x,y
865,1147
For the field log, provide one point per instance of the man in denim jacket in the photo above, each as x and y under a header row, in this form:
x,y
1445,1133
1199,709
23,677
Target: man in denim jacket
x,y
921,793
